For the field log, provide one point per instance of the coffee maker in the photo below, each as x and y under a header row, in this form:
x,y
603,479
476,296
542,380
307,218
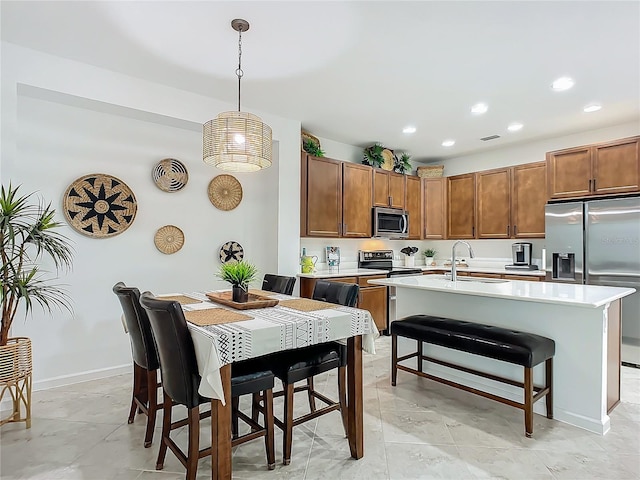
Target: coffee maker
x,y
521,252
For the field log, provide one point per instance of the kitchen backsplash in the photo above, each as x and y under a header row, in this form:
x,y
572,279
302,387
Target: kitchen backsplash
x,y
488,253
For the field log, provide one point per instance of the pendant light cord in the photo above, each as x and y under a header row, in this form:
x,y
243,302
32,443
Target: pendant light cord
x,y
239,71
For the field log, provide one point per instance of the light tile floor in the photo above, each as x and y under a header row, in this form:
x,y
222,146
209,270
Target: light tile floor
x,y
417,430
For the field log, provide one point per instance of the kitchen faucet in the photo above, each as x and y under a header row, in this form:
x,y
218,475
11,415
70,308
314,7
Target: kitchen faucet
x,y
453,257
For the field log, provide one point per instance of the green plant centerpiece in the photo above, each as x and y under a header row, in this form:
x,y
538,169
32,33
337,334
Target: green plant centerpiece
x,y
402,164
312,148
239,275
28,236
372,155
429,253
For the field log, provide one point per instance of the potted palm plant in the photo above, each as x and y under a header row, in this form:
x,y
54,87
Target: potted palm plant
x,y
28,236
239,275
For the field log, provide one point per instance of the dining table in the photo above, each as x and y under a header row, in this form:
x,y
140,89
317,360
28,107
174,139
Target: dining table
x,y
222,334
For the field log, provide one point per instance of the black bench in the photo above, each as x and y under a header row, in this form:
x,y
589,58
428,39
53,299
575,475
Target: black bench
x,y
503,344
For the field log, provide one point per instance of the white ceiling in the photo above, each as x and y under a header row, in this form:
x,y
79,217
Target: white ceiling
x,y
358,72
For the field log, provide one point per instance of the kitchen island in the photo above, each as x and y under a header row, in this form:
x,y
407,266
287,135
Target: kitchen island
x,y
583,320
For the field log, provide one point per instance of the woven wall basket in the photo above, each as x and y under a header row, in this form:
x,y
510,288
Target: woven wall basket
x,y
225,192
170,175
99,205
15,379
169,239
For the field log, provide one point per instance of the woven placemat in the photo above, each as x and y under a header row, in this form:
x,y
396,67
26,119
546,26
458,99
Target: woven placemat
x,y
262,293
181,299
214,316
307,305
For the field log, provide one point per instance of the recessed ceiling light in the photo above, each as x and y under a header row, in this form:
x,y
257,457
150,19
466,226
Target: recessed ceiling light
x,y
514,127
479,108
409,129
562,83
592,108
448,143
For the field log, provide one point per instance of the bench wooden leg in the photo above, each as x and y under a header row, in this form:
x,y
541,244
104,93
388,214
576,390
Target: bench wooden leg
x,y
549,385
394,359
419,352
528,401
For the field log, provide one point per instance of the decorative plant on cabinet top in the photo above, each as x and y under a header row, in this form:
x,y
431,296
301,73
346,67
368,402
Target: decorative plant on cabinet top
x,y
372,155
27,234
403,164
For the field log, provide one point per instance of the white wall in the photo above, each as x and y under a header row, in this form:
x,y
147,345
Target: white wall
x,y
62,120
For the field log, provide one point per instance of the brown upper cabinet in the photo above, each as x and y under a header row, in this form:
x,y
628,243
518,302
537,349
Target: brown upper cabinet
x,y
335,198
510,202
413,205
461,194
598,169
388,189
493,203
528,198
435,207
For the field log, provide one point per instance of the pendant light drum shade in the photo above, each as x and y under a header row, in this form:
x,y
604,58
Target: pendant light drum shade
x,y
237,142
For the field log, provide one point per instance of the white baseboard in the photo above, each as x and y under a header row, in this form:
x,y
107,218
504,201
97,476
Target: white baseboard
x,y
64,380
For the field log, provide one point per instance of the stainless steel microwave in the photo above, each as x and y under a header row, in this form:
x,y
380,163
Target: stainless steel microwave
x,y
392,223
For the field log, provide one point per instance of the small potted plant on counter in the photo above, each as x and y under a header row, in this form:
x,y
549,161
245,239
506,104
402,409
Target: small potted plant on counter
x,y
409,259
429,254
239,275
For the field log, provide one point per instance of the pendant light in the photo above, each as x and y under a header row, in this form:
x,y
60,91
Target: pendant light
x,y
237,141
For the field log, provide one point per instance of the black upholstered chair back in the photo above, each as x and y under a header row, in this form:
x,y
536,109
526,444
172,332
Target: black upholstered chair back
x,y
336,292
143,347
178,364
278,283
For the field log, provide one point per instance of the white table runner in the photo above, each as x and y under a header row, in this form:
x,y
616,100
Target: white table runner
x,y
270,330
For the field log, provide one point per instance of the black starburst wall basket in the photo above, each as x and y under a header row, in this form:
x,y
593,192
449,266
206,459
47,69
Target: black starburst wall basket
x,y
99,205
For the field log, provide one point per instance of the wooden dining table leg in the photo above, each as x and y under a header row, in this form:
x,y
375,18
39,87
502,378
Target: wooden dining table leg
x,y
221,430
354,401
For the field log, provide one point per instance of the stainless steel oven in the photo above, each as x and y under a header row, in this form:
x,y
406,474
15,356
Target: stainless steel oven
x,y
383,260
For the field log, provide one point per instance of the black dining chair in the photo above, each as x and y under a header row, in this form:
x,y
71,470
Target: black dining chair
x,y
181,380
145,358
304,363
278,283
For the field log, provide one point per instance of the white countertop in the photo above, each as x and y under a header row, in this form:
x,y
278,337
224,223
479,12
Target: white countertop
x,y
590,296
346,272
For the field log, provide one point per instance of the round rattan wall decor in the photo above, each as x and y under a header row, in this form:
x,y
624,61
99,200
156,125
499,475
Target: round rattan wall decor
x,y
169,239
99,205
225,192
231,252
170,175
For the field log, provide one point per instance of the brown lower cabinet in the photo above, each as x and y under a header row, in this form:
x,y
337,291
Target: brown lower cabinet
x,y
373,298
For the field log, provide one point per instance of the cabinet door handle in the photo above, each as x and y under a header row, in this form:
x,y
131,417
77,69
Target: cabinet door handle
x,y
344,228
508,229
594,184
339,229
590,184
390,200
473,231
515,230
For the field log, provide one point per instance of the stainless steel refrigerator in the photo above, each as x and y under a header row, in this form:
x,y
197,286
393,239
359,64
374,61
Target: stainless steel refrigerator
x,y
597,242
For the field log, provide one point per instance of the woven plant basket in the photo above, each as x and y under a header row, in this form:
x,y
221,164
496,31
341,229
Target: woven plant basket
x,y
430,171
15,379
